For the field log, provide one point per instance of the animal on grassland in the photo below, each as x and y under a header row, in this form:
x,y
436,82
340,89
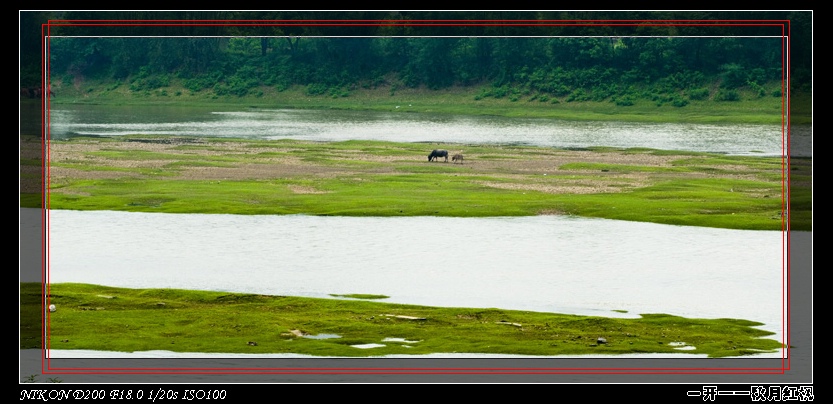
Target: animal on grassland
x,y
438,153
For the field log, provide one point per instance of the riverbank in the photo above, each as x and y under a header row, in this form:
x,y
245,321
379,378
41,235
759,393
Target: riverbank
x,y
748,109
93,317
373,178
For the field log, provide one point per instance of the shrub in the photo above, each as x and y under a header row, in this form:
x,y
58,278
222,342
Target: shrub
x,y
757,88
337,92
500,92
728,95
560,90
316,89
679,102
578,95
624,101
221,89
202,82
733,75
698,94
145,81
601,92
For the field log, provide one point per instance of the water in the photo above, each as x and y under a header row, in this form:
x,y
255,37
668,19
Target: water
x,y
543,263
324,125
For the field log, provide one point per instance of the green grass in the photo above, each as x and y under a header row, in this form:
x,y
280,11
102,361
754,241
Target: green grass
x,y
701,189
713,203
464,101
707,202
117,319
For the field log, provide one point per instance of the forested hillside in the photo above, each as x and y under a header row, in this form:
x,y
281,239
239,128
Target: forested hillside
x,y
667,65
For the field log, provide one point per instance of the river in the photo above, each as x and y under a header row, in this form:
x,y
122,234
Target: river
x,y
335,125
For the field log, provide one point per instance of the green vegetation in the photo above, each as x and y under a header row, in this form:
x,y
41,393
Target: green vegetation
x,y
116,319
460,100
545,70
696,79
374,178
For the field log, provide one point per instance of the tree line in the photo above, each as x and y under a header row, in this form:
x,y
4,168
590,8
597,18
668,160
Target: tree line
x,y
666,63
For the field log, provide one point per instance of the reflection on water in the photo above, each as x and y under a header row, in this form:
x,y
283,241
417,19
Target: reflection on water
x,y
543,263
321,336
326,125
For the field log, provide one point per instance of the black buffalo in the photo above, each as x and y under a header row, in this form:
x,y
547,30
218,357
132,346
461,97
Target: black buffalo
x,y
438,153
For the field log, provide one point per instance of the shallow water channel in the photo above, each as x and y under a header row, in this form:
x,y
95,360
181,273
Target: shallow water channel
x,y
401,126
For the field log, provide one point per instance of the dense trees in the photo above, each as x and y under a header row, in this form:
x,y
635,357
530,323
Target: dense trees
x,y
614,65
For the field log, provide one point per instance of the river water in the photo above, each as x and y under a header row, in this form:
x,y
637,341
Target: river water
x,y
334,125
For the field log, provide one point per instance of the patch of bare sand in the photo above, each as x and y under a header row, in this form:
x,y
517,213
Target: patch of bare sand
x,y
299,189
569,187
